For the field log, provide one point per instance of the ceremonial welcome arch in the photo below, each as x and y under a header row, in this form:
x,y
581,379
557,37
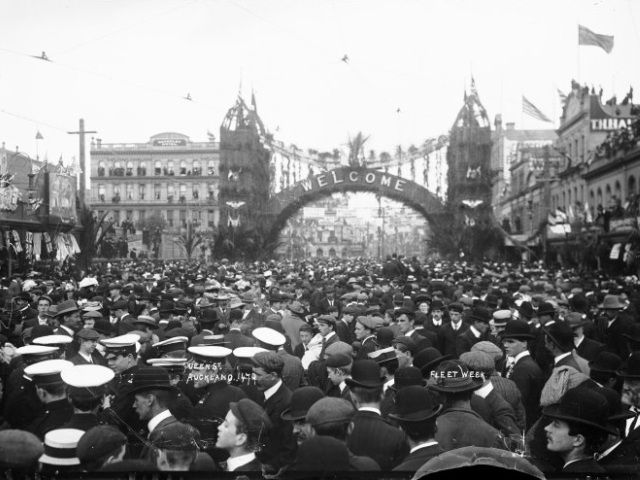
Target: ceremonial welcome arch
x,y
349,179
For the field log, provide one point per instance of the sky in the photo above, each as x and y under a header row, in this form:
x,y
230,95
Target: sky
x,y
125,66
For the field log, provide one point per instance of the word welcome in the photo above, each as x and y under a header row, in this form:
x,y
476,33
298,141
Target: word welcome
x,y
339,176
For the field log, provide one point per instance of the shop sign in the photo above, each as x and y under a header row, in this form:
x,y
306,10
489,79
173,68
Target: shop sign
x,y
622,224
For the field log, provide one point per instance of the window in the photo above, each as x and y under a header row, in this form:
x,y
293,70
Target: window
x,y
118,170
195,192
599,197
607,196
129,191
170,193
129,215
170,218
211,194
129,172
142,169
183,193
157,192
116,217
183,218
157,169
171,168
141,191
183,167
197,168
141,215
210,218
102,169
101,193
116,194
631,186
211,168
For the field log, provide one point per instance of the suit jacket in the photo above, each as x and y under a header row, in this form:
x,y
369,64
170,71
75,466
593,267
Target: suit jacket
x,y
235,339
590,349
344,332
280,445
587,465
447,339
323,307
418,458
612,337
331,340
374,437
252,466
496,412
625,458
528,377
82,421
96,359
21,402
55,415
368,346
467,339
461,427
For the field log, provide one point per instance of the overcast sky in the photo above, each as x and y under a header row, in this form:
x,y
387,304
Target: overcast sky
x,y
125,65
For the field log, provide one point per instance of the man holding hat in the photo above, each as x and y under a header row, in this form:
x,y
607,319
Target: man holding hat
x,y
241,434
371,435
87,354
416,412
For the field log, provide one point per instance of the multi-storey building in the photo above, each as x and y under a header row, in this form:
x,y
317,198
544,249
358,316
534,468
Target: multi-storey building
x,y
169,174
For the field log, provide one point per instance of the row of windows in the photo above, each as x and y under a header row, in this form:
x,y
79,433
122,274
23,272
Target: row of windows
x,y
174,218
183,167
597,197
141,193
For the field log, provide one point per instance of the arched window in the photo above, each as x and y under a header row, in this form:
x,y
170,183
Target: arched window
x,y
319,252
183,167
183,192
157,168
211,168
102,193
102,169
170,192
197,168
599,197
631,186
142,169
332,252
118,169
129,171
171,168
129,191
607,196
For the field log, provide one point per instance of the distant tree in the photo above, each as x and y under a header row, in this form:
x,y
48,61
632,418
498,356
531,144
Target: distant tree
x,y
93,235
153,225
385,157
189,240
356,150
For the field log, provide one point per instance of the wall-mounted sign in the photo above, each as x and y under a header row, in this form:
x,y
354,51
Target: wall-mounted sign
x,y
170,142
62,197
610,124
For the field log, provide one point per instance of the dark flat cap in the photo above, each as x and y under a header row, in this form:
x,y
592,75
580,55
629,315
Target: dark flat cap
x,y
98,442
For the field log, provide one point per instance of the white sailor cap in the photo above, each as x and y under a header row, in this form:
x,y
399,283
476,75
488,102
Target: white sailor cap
x,y
501,316
53,340
29,352
86,381
47,372
247,352
124,344
209,353
269,336
172,344
168,363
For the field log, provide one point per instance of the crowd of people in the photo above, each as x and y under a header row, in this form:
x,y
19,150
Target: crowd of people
x,y
319,366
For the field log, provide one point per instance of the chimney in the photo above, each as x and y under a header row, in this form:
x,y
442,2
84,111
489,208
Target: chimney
x,y
510,125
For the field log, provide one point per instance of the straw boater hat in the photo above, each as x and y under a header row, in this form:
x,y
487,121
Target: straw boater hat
x,y
60,447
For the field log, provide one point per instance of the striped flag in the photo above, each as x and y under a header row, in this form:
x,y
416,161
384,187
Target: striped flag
x,y
533,111
587,37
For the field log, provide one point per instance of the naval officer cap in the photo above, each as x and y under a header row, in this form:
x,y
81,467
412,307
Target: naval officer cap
x,y
172,344
58,341
47,372
37,353
86,382
244,353
127,344
209,354
171,365
269,336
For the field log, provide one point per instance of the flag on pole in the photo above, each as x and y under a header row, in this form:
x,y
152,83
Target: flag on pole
x,y
587,37
533,111
39,135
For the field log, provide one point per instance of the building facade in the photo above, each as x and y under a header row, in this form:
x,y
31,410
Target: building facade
x,y
169,175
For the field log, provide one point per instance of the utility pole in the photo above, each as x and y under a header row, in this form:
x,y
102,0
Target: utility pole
x,y
83,167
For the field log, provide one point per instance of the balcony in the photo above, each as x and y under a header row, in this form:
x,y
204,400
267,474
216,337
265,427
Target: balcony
x,y
115,199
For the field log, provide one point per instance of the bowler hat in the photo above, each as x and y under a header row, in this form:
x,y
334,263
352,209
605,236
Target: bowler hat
x,y
429,358
365,374
454,377
301,400
632,368
518,330
407,376
480,314
150,378
584,406
526,310
414,404
606,362
559,333
545,308
611,302
575,319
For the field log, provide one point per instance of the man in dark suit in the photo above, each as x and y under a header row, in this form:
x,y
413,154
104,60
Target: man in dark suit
x,y
87,339
306,334
326,327
329,303
612,325
449,332
406,325
338,370
235,338
371,435
587,348
477,332
522,369
416,413
279,450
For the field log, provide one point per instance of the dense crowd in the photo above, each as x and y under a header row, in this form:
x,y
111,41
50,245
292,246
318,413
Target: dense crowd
x,y
316,366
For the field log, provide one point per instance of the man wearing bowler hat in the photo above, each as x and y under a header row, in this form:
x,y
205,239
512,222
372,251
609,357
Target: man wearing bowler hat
x,y
611,326
371,435
458,425
585,347
477,332
416,412
578,427
522,368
